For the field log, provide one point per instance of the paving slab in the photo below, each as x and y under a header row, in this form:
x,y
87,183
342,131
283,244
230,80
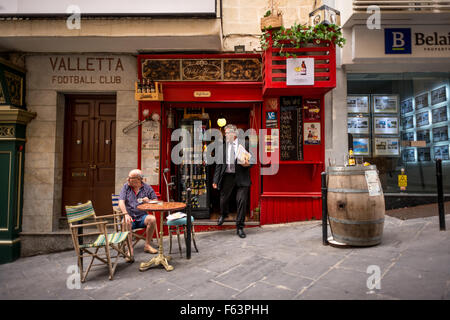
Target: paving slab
x,y
280,262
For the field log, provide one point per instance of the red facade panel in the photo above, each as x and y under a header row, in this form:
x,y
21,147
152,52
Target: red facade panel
x,y
285,208
274,69
293,194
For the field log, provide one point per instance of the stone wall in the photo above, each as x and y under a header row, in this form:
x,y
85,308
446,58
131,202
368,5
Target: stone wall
x,y
241,19
45,134
241,26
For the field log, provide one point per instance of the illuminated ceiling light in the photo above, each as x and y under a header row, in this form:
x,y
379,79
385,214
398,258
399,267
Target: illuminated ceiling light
x,y
221,122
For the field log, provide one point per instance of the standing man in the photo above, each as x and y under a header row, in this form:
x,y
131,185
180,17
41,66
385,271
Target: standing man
x,y
134,193
230,174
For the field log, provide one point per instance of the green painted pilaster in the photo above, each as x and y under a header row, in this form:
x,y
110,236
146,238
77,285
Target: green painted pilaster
x,y
13,122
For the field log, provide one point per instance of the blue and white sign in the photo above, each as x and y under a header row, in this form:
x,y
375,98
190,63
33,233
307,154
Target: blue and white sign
x,y
397,41
271,115
400,42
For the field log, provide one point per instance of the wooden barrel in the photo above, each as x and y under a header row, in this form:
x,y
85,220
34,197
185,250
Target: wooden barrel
x,y
355,203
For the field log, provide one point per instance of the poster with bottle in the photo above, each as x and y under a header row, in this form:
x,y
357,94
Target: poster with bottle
x,y
300,72
311,133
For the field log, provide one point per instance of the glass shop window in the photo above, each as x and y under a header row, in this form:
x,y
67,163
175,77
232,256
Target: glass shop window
x,y
401,121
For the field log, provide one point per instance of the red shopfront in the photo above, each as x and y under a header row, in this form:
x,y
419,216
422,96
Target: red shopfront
x,y
235,86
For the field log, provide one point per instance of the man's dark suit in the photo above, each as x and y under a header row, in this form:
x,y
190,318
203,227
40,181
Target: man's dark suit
x,y
227,181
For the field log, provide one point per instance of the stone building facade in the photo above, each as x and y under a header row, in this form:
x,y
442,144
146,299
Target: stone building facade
x,y
100,58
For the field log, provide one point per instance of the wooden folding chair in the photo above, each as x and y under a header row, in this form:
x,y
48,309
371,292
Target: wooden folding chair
x,y
115,242
136,234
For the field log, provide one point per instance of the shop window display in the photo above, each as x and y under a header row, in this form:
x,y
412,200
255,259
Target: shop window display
x,y
408,116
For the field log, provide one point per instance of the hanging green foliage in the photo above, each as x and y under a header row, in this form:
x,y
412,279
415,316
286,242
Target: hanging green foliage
x,y
299,34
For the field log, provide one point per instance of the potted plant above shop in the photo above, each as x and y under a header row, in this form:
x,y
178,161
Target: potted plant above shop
x,y
271,21
298,36
272,18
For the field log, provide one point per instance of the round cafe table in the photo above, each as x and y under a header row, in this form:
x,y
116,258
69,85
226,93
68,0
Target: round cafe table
x,y
163,207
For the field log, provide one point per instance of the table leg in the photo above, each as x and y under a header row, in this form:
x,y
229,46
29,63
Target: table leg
x,y
160,258
161,225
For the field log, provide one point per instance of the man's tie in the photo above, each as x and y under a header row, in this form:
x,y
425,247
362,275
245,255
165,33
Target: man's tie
x,y
231,165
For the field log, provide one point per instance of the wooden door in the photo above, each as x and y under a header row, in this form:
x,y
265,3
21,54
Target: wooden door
x,y
89,151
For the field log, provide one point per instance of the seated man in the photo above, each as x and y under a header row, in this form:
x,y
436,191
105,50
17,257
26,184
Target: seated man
x,y
134,193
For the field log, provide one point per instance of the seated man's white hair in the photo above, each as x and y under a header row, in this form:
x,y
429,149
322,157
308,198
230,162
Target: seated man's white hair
x,y
136,172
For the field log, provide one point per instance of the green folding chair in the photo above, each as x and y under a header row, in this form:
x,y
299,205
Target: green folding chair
x,y
175,226
112,243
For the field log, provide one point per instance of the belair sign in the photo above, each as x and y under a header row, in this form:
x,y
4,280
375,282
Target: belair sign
x,y
401,42
416,40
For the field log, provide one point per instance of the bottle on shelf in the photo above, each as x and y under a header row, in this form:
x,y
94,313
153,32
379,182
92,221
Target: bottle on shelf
x,y
203,173
152,87
139,86
351,158
144,85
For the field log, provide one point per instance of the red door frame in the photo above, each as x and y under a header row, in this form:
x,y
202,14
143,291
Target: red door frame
x,y
235,94
276,206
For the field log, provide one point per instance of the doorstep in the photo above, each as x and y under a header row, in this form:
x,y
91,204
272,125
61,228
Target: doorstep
x,y
208,222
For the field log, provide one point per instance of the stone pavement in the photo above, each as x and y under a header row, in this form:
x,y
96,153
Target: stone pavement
x,y
280,262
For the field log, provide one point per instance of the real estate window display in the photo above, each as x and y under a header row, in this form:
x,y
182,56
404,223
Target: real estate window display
x,y
402,107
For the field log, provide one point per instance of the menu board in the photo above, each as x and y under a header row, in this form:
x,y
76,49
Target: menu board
x,y
291,129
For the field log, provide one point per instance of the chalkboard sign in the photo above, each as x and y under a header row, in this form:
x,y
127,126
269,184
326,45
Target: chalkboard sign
x,y
291,129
